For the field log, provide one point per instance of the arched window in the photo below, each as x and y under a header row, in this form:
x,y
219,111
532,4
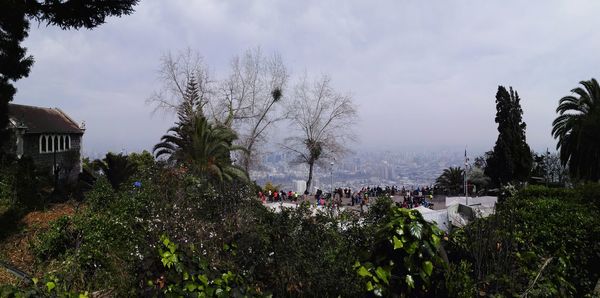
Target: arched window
x,y
56,143
43,143
68,142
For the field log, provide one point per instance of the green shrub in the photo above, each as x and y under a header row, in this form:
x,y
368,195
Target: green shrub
x,y
187,274
405,258
542,242
102,246
21,185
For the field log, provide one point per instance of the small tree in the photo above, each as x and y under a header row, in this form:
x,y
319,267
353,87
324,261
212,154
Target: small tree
x,y
323,119
116,168
477,178
451,180
195,142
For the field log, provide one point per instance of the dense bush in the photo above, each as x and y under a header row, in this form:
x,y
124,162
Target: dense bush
x,y
541,242
102,246
223,241
405,258
21,185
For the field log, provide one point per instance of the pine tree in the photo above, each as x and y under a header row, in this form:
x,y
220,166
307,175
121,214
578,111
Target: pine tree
x,y
511,159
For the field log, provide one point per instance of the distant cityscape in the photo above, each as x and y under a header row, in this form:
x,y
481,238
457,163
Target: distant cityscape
x,y
408,169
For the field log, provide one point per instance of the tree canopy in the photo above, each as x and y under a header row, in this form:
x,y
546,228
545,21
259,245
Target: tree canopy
x,y
511,158
323,119
577,129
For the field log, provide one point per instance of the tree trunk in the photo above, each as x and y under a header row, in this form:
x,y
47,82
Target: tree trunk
x,y
310,174
247,156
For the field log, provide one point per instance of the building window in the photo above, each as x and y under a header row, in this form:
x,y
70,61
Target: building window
x,y
54,143
43,144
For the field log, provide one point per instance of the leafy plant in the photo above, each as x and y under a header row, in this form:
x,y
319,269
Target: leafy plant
x,y
405,257
188,274
116,168
541,242
576,130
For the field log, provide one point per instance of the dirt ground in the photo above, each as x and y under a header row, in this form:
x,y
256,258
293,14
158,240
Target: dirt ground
x,y
15,249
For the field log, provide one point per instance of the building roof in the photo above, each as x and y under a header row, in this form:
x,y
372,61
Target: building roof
x,y
42,120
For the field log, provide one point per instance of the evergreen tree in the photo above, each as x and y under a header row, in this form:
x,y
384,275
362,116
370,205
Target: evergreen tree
x,y
197,143
15,15
511,158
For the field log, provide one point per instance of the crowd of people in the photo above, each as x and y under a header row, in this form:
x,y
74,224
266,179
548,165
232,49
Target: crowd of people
x,y
411,198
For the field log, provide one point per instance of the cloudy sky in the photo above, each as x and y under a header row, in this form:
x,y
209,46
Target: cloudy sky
x,y
422,73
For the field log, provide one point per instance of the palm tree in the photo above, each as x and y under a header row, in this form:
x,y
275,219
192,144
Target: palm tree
x,y
451,180
116,168
577,129
203,147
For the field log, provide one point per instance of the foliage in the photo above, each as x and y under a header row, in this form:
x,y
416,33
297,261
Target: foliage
x,y
22,186
221,239
459,281
248,99
116,168
405,258
511,158
196,143
48,286
548,168
14,25
270,187
188,274
576,129
297,254
99,247
451,180
380,211
143,162
540,242
477,177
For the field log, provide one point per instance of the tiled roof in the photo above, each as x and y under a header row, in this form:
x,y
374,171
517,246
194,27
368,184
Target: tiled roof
x,y
42,120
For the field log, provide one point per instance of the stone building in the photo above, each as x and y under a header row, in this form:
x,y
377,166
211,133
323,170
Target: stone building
x,y
49,137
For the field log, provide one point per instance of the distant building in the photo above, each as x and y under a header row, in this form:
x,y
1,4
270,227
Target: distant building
x,y
49,137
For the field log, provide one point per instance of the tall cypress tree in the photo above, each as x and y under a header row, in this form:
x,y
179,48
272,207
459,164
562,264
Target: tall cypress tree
x,y
15,16
511,159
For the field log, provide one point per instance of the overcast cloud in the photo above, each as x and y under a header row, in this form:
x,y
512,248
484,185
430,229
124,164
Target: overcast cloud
x,y
423,73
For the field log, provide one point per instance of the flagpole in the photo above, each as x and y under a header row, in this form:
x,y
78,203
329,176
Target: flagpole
x,y
465,179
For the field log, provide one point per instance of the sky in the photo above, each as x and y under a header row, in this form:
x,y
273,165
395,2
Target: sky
x,y
423,74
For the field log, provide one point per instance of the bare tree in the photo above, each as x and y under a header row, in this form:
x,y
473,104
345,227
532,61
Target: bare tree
x,y
175,73
323,119
246,100
250,97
